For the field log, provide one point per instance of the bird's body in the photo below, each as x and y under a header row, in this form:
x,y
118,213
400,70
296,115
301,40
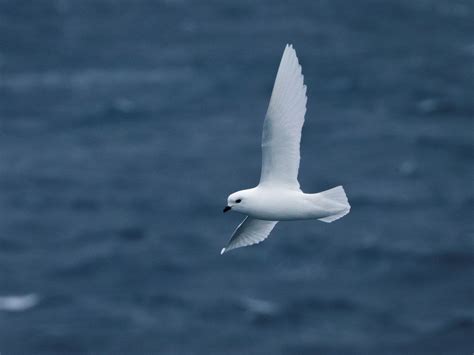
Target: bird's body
x,y
263,203
278,196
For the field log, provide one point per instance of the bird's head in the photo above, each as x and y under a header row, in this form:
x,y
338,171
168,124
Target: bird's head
x,y
237,201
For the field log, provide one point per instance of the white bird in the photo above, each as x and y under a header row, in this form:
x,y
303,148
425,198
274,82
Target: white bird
x,y
278,196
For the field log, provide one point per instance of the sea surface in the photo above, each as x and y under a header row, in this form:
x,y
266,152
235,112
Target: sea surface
x,y
124,125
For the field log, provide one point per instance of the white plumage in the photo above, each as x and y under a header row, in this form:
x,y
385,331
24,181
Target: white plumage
x,y
278,196
283,123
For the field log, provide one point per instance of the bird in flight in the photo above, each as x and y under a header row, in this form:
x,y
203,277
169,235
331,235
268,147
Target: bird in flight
x,y
278,196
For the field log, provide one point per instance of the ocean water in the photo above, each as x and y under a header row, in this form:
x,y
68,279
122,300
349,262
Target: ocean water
x,y
124,125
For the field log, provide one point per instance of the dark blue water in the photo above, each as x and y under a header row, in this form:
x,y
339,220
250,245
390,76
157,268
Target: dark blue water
x,y
124,125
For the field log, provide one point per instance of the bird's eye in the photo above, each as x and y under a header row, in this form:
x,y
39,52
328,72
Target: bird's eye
x,y
238,200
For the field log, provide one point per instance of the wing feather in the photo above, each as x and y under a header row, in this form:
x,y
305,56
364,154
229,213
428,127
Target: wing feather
x,y
283,124
250,231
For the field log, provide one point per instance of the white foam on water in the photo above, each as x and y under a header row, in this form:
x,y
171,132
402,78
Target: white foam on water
x,y
18,303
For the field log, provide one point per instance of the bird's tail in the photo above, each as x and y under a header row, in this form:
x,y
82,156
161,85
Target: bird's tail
x,y
337,195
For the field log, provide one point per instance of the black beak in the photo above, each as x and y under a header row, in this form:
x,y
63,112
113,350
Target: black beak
x,y
227,208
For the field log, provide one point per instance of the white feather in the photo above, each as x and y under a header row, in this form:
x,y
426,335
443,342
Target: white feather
x,y
250,231
283,123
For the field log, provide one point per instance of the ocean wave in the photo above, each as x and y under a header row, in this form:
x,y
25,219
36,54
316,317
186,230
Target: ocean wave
x,y
18,303
89,78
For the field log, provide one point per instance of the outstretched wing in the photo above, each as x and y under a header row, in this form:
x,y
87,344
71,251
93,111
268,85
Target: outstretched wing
x,y
283,123
250,231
